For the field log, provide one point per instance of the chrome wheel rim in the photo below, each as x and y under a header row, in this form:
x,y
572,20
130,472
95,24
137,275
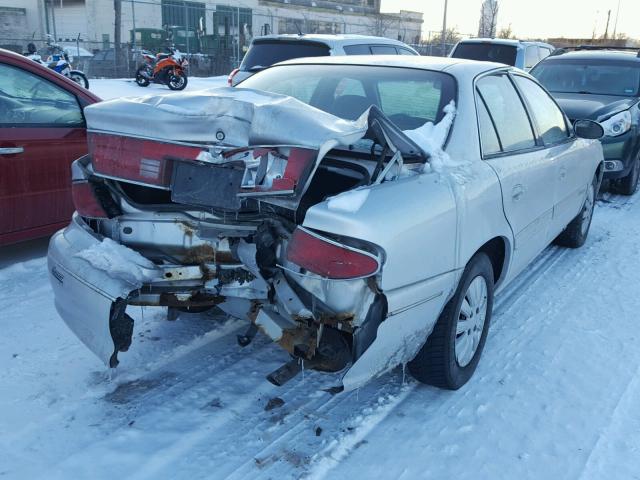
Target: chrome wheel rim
x,y
587,210
78,79
177,81
471,318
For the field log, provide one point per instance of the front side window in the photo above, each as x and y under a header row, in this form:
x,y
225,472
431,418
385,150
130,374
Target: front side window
x,y
547,116
597,77
409,97
27,99
507,112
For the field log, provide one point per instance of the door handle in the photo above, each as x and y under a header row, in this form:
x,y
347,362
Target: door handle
x,y
11,150
517,192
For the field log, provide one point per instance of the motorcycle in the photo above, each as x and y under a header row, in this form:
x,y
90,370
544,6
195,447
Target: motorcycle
x,y
58,60
164,68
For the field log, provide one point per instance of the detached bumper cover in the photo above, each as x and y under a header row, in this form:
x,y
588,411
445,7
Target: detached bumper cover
x,y
84,295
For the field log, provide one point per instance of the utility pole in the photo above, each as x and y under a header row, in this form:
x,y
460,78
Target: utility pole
x,y
444,30
606,30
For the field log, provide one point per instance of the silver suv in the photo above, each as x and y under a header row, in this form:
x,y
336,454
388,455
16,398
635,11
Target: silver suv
x,y
516,53
271,49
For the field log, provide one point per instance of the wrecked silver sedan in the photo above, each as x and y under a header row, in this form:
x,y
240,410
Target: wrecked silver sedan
x,y
361,212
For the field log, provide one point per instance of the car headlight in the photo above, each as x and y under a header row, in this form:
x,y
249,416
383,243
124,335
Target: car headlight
x,y
618,124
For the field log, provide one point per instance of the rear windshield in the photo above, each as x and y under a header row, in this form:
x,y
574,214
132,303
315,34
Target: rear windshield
x,y
409,97
266,53
592,77
489,52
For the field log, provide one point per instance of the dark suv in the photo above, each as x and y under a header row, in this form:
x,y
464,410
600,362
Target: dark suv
x,y
602,84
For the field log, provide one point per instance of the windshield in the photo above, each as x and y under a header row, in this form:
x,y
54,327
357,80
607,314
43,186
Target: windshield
x,y
265,53
408,97
598,78
488,52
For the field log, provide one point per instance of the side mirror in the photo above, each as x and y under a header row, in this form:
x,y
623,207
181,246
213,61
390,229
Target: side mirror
x,y
588,129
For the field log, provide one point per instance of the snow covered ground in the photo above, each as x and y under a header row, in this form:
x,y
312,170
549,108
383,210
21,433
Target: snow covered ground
x,y
126,87
555,395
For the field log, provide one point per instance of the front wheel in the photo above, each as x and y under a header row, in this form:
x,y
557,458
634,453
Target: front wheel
x,y
141,79
629,184
576,232
177,81
452,352
80,78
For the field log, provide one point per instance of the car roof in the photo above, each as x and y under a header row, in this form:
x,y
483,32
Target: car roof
x,y
15,59
332,40
625,55
452,65
506,41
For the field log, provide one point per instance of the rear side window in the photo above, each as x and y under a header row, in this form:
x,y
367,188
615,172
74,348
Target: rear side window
x,y
357,50
544,52
507,112
27,99
266,53
548,118
531,56
404,51
488,135
383,50
489,52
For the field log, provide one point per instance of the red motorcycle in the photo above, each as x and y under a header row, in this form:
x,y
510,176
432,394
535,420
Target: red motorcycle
x,y
165,68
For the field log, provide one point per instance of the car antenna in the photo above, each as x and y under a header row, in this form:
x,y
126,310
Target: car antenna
x,y
298,28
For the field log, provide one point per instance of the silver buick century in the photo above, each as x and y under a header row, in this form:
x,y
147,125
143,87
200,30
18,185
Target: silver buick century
x,y
362,212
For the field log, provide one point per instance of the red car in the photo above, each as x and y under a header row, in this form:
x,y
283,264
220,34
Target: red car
x,y
42,130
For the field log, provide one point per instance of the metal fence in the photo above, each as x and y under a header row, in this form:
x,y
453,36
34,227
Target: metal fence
x,y
214,39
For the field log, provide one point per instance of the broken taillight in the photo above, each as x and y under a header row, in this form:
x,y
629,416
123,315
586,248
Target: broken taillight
x,y
276,171
85,201
328,258
140,160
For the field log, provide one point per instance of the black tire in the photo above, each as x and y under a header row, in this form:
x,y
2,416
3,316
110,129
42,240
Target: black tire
x,y
577,231
629,184
177,82
436,363
141,80
80,78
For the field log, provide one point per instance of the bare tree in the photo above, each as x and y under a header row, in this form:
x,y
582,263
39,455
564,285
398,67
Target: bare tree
x,y
506,32
382,23
488,19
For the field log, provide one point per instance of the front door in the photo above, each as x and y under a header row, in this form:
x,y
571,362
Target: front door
x,y
41,132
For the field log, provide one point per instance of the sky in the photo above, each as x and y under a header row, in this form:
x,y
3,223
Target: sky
x,y
530,19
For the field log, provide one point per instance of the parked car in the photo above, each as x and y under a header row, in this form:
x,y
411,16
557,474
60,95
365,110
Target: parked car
x,y
42,130
271,49
517,53
603,85
347,242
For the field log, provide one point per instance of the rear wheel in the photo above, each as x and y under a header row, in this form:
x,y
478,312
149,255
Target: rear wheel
x,y
629,184
177,81
576,232
80,78
452,352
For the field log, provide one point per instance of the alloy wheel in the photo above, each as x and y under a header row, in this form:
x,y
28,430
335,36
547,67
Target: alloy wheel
x,y
471,318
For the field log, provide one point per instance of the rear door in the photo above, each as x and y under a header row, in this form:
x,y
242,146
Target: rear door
x,y
42,131
526,173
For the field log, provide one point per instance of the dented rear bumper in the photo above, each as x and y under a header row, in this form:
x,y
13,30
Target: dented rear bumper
x,y
84,296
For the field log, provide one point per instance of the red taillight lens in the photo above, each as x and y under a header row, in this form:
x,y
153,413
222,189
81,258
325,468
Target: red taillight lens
x,y
329,259
145,161
85,201
231,75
